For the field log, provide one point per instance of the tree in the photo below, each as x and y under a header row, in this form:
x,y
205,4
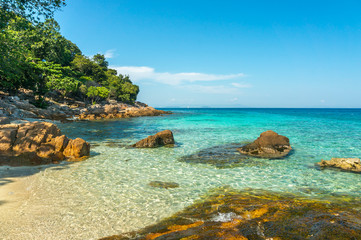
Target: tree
x,y
100,60
29,9
97,93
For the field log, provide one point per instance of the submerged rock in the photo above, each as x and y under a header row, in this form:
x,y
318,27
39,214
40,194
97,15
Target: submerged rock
x,y
348,164
268,145
166,185
37,143
160,139
4,120
223,156
230,214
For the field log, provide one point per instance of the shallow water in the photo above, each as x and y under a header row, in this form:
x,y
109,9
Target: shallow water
x,y
109,193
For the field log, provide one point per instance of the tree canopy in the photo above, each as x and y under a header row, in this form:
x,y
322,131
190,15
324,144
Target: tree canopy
x,y
34,55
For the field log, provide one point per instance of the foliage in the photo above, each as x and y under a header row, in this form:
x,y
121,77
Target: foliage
x,y
29,9
34,55
97,93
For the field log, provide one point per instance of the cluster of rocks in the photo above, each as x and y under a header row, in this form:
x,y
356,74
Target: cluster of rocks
x,y
117,110
268,145
38,143
16,107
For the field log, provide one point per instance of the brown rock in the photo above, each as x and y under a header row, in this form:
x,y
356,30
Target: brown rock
x,y
60,143
7,136
37,143
77,148
31,135
160,139
268,145
46,150
348,164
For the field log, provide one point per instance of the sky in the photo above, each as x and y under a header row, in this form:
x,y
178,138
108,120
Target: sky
x,y
195,53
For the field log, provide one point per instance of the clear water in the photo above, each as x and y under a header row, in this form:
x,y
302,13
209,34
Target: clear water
x,y
109,193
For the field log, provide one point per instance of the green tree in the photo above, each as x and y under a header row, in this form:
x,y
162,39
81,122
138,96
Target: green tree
x,y
29,9
100,60
96,93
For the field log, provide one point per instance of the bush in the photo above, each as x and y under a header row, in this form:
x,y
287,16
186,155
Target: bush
x,y
96,93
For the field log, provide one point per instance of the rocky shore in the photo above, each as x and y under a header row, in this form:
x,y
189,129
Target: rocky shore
x,y
22,107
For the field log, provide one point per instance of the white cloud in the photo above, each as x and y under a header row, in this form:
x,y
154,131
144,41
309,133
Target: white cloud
x,y
109,53
220,89
148,73
241,85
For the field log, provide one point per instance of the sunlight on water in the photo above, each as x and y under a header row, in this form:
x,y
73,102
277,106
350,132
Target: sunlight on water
x,y
109,193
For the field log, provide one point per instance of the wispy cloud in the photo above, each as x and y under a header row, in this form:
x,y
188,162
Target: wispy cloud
x,y
241,85
109,53
219,89
148,73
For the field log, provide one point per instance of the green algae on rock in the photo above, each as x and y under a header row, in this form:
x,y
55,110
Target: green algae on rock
x,y
231,214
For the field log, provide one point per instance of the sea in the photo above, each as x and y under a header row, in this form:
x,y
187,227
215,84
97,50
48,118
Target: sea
x,y
109,193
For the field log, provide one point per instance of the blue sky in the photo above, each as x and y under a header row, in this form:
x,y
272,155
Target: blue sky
x,y
226,53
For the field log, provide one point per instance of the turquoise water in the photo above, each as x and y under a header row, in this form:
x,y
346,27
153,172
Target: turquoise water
x,y
111,187
314,134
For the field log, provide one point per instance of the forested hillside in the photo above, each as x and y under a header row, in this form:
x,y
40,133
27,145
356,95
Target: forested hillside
x,y
34,55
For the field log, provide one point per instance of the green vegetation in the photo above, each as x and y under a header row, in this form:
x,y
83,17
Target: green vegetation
x,y
34,55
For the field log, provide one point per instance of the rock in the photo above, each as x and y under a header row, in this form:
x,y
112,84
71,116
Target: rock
x,y
268,145
348,164
4,120
60,143
31,135
37,143
77,148
166,185
223,156
160,139
233,214
7,137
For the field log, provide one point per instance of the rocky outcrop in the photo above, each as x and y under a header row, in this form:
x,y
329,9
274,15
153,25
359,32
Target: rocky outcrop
x,y
268,145
160,139
348,164
233,214
111,111
38,143
15,107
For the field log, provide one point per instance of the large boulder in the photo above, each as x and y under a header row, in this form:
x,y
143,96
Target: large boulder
x,y
268,145
348,164
31,135
37,143
160,139
77,148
